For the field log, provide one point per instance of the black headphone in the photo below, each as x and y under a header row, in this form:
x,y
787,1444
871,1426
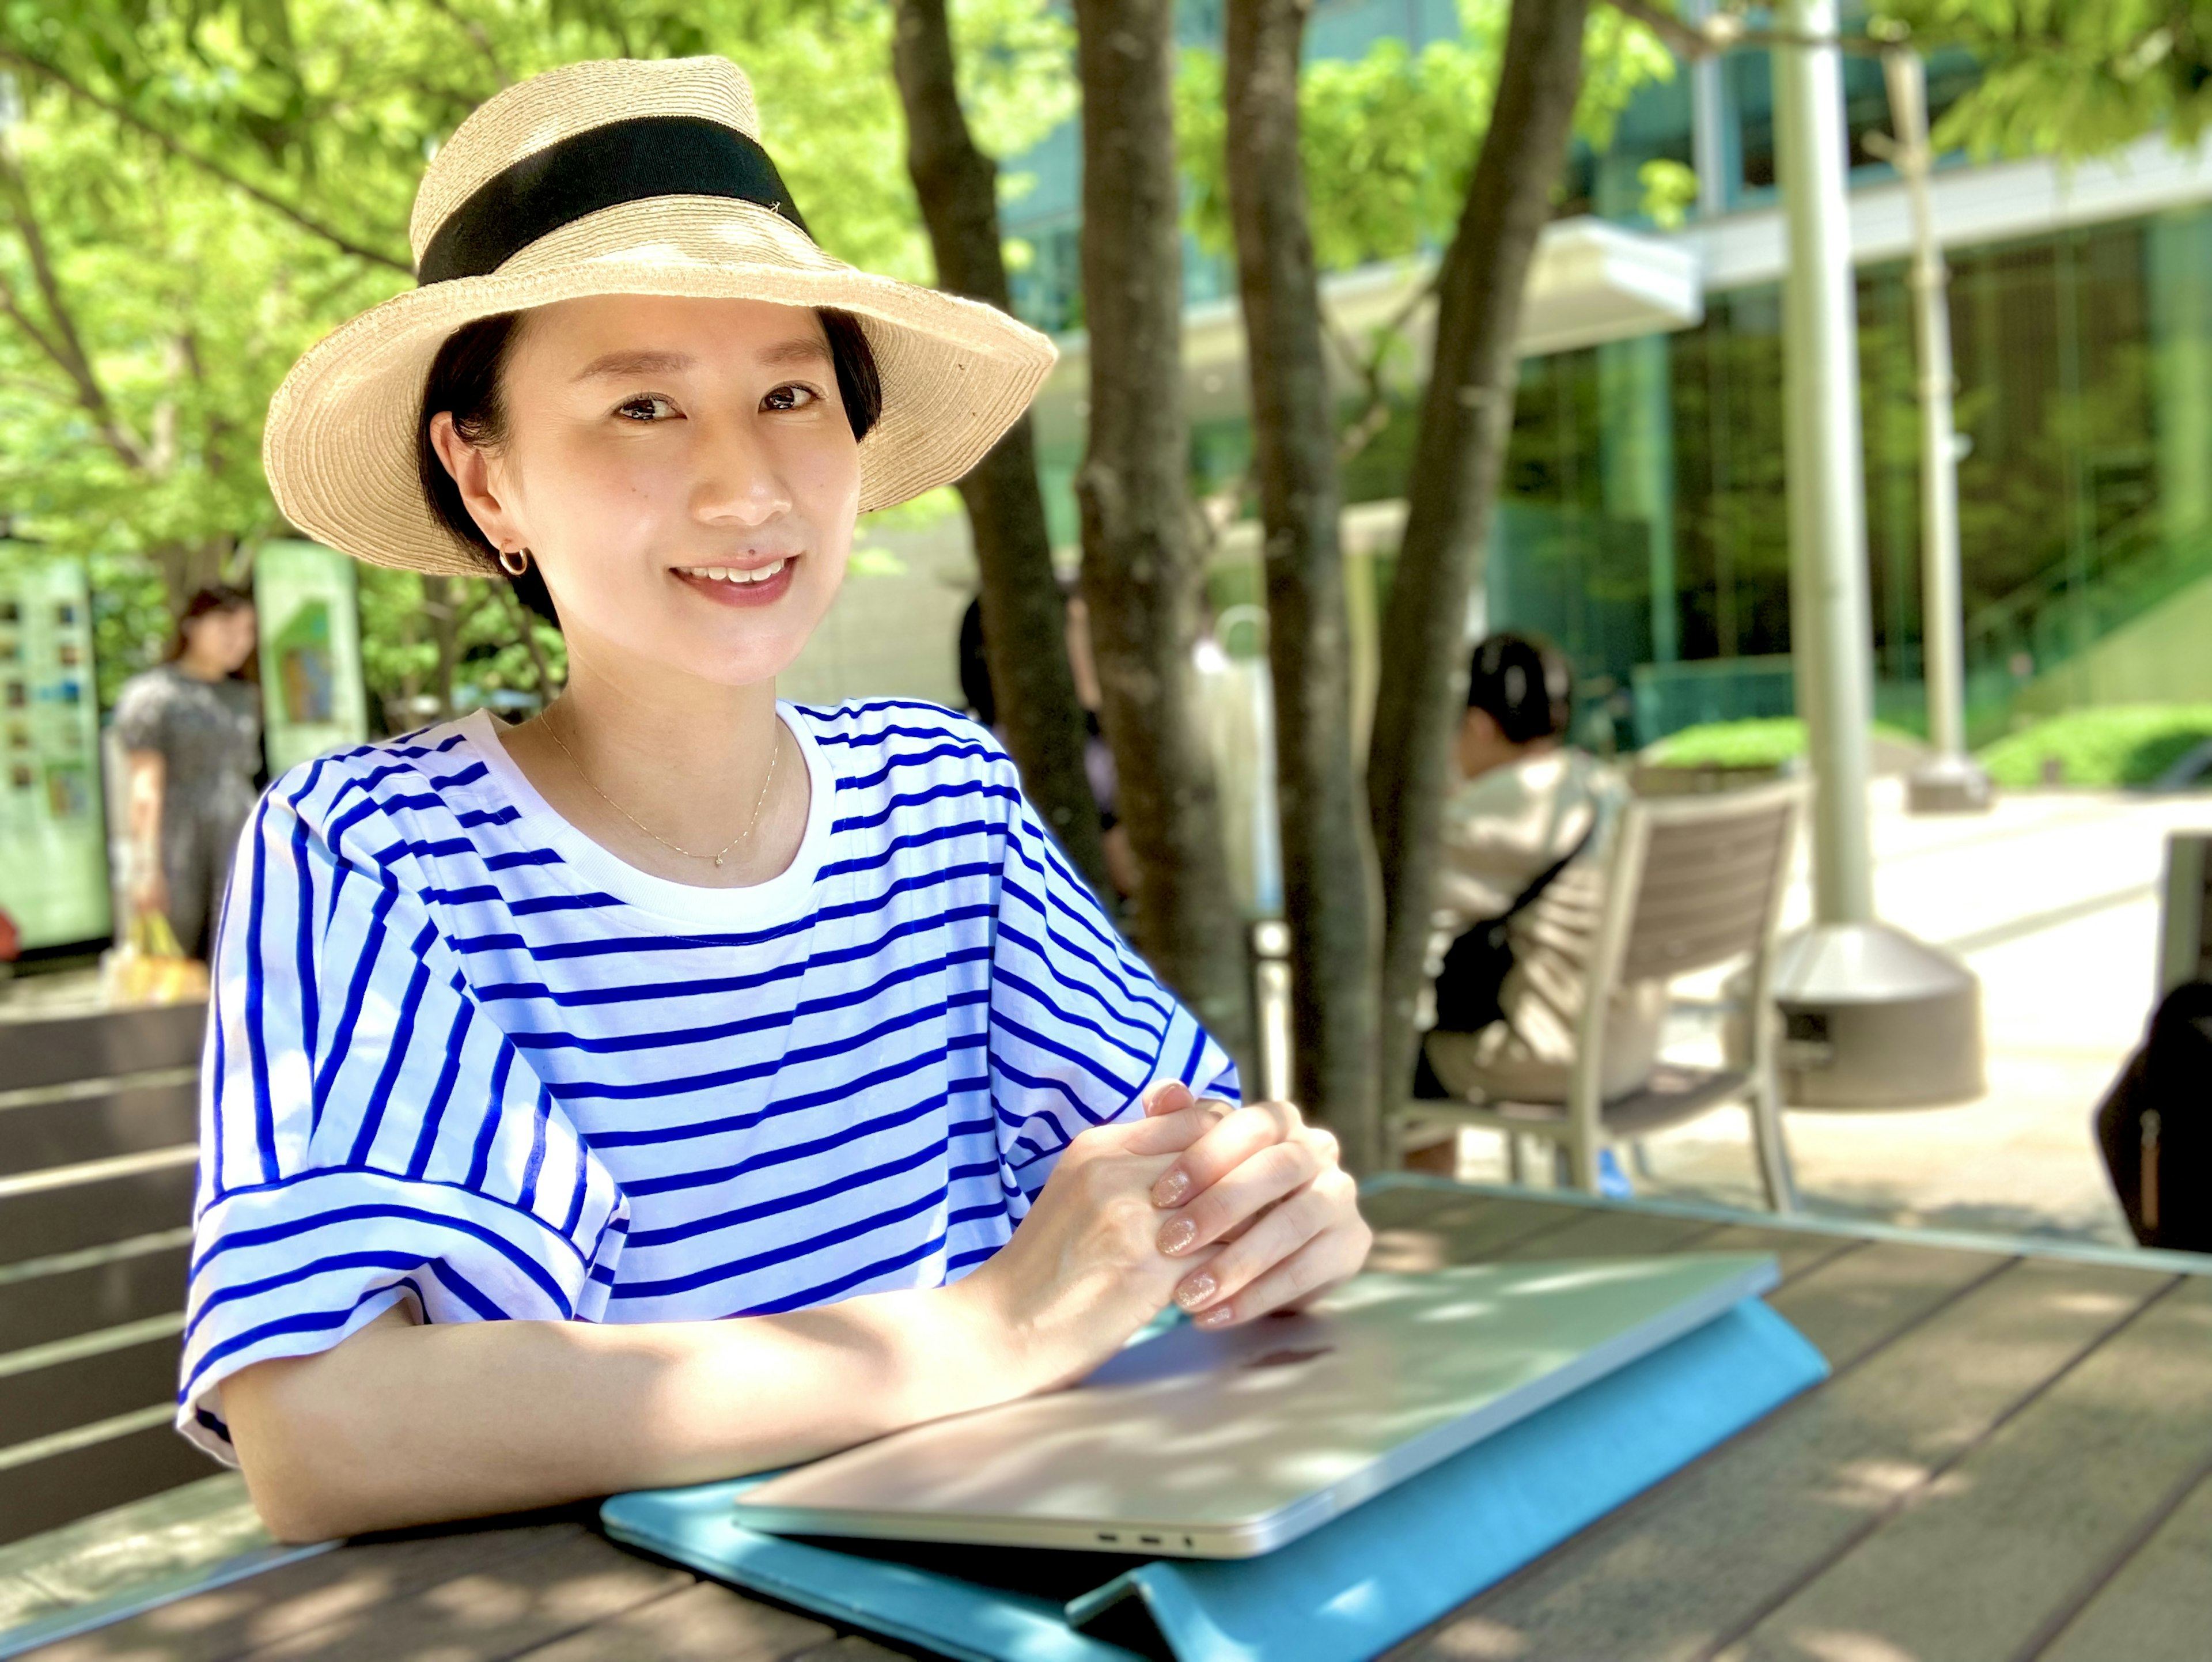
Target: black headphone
x,y
1524,683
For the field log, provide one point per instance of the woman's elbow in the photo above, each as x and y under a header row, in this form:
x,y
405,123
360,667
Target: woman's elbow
x,y
284,1444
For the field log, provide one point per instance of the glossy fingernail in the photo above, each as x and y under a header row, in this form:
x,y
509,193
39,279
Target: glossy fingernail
x,y
1216,1318
1196,1291
1171,1188
1178,1236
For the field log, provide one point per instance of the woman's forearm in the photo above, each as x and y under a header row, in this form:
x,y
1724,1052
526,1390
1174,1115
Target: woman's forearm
x,y
405,1424
146,772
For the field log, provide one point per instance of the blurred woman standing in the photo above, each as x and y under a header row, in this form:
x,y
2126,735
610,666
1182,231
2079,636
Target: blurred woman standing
x,y
191,733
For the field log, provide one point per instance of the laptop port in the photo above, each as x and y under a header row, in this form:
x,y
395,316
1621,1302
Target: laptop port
x,y
1104,1536
1148,1540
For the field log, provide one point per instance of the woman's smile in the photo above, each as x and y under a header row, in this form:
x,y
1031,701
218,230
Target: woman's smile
x,y
760,584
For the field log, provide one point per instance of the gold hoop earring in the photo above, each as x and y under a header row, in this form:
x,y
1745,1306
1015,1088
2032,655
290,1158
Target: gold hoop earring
x,y
520,556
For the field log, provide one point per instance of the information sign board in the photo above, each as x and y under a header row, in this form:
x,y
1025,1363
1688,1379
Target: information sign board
x,y
53,846
312,695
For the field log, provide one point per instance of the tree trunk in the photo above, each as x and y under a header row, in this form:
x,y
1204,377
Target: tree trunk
x,y
1024,616
1328,859
1467,418
1141,575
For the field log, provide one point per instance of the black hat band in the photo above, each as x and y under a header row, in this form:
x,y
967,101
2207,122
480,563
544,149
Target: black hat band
x,y
647,155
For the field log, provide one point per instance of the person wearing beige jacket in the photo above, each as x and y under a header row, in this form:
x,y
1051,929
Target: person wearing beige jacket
x,y
1531,808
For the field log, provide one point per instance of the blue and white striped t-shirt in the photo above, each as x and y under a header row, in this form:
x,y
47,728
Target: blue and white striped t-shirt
x,y
461,1055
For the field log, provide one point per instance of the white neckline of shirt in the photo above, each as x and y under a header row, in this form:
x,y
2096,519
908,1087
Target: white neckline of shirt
x,y
782,897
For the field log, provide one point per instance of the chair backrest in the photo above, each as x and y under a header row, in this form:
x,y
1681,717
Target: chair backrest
x,y
1708,873
1693,882
1690,884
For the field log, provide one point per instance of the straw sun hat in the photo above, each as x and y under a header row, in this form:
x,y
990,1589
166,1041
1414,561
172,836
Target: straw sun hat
x,y
621,178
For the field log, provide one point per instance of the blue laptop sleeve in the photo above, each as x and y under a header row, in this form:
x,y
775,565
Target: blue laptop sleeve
x,y
1348,1589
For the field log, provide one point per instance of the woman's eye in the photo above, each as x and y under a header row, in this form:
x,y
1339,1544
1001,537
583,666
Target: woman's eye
x,y
790,397
646,407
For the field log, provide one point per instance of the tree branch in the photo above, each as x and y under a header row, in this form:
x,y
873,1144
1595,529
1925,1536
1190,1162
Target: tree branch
x,y
478,37
1368,366
214,169
63,346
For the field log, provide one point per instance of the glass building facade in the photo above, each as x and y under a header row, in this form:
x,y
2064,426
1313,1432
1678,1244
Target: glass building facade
x,y
1644,519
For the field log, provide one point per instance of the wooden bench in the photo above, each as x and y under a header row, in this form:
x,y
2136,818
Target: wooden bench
x,y
99,1118
2013,1463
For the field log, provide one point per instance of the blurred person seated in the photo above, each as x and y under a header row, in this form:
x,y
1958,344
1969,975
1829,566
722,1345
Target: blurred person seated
x,y
1519,894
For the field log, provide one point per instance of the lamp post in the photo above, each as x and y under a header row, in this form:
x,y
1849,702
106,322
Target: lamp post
x,y
1950,780
1873,1017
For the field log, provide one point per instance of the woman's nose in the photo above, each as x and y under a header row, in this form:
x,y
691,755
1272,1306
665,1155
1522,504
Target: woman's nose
x,y
738,481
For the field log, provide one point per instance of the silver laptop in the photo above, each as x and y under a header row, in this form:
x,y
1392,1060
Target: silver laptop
x,y
1197,1445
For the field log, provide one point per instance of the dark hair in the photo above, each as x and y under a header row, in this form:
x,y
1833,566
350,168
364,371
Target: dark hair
x,y
975,667
213,600
466,379
1524,683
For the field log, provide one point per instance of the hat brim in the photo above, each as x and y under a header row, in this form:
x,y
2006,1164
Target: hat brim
x,y
340,448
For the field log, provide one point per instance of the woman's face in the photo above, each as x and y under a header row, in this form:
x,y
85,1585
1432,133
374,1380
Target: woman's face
x,y
683,473
221,640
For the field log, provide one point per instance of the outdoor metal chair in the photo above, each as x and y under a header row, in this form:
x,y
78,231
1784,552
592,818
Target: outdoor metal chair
x,y
1691,883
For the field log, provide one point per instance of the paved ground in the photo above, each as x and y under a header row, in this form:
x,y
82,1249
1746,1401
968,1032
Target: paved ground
x,y
2052,900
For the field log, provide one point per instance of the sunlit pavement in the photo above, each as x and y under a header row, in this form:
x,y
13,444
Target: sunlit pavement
x,y
2053,900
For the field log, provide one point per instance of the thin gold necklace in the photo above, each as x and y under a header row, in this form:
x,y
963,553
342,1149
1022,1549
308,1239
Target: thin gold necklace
x,y
775,749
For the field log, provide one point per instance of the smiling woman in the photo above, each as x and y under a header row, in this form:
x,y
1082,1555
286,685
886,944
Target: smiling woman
x,y
680,1083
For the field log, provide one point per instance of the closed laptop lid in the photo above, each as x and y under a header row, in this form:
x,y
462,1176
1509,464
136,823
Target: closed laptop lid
x,y
1224,1444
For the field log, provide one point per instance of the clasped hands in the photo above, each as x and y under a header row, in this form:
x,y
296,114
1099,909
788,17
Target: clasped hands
x,y
1255,1200
1228,1212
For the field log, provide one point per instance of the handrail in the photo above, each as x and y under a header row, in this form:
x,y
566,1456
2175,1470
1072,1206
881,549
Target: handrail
x,y
2133,568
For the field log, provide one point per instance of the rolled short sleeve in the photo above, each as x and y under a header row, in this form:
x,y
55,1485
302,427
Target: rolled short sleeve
x,y
369,1134
1079,1026
141,712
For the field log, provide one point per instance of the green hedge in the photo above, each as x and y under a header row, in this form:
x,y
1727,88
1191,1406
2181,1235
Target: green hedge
x,y
1764,742
2125,745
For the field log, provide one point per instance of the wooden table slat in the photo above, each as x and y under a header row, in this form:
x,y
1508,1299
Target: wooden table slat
x,y
1610,1234
293,1606
2157,1607
852,1647
1417,1229
1704,1555
1796,1253
703,1622
1851,1305
1983,1558
494,1611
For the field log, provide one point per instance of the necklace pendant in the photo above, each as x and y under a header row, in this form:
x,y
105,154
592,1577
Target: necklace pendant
x,y
717,862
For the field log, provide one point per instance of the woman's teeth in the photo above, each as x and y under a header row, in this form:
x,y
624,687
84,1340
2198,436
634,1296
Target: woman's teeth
x,y
730,574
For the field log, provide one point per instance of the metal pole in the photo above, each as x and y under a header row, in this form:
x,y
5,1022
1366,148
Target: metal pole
x,y
1830,632
1951,781
1709,139
1874,1018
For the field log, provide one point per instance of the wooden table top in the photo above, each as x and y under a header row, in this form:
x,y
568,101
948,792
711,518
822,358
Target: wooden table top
x,y
2012,1461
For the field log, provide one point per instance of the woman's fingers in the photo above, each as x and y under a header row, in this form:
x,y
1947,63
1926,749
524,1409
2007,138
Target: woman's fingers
x,y
1168,1130
1167,1096
1261,1180
1240,1134
1267,1242
1310,1242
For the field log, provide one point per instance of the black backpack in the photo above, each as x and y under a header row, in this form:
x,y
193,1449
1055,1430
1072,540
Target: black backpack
x,y
2155,1126
1470,987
